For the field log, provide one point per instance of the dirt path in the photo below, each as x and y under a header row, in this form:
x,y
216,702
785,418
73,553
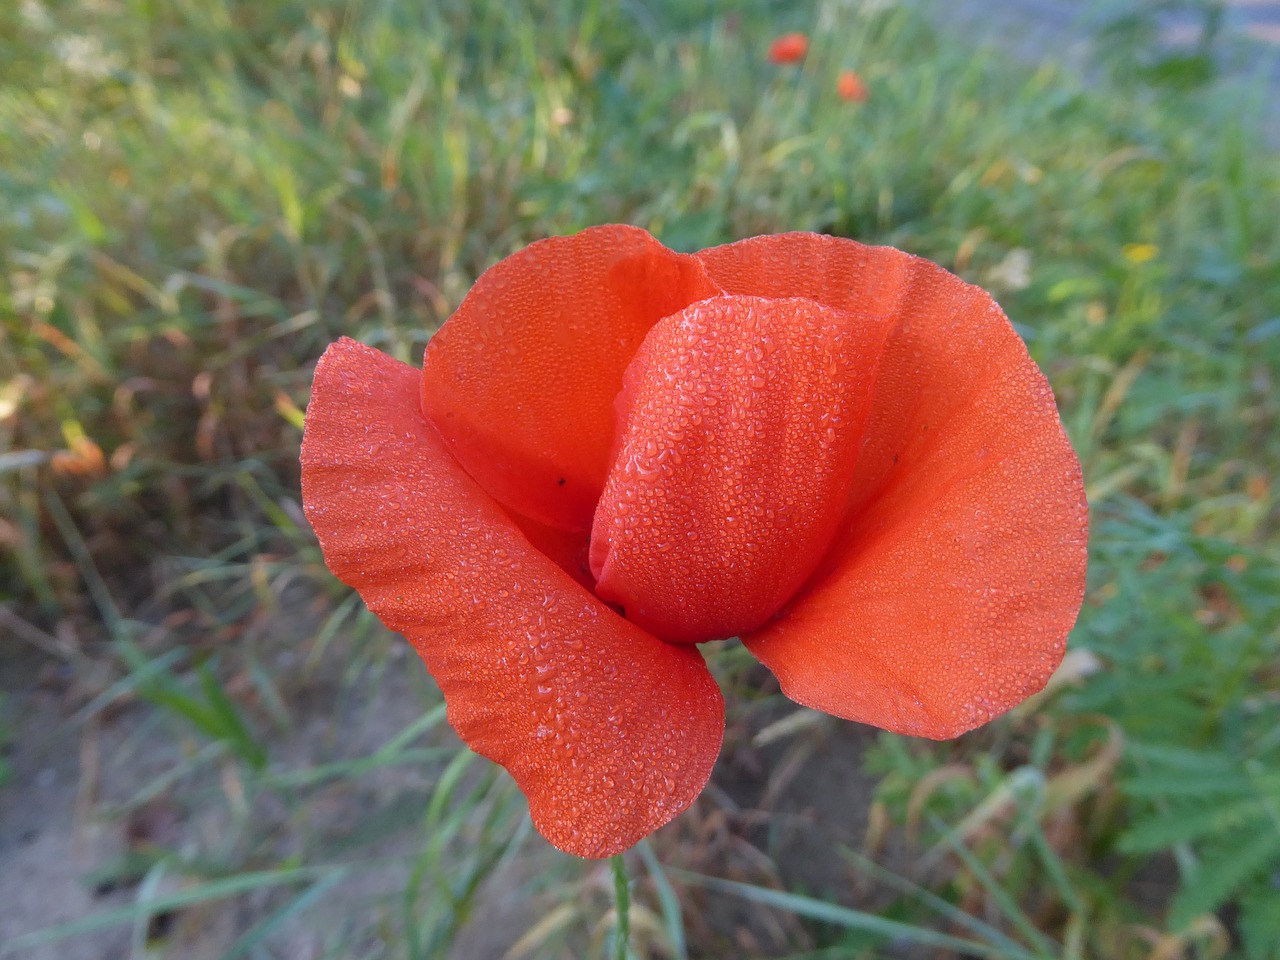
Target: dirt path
x,y
1034,29
1247,48
1042,24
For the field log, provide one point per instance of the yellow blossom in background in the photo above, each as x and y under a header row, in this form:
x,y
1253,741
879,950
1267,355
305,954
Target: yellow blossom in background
x,y
1140,252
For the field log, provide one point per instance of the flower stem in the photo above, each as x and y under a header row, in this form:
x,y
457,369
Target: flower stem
x,y
622,899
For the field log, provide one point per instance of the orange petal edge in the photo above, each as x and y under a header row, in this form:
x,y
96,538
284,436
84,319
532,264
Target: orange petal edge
x,y
609,732
947,597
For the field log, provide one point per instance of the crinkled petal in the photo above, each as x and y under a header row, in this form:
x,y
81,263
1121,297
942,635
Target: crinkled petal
x,y
520,381
608,731
740,423
949,592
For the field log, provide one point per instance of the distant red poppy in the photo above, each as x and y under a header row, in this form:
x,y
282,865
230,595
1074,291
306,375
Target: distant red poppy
x,y
851,88
789,48
841,453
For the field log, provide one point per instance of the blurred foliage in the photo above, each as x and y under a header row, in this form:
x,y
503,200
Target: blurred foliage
x,y
1169,43
195,198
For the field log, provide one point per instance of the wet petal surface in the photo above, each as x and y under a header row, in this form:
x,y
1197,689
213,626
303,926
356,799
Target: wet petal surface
x,y
608,731
739,426
949,591
521,379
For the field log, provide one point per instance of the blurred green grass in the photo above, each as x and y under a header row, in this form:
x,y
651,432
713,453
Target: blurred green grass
x,y
196,197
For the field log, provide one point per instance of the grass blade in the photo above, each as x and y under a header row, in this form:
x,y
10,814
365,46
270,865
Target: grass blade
x,y
943,908
213,890
1004,900
296,907
672,915
849,918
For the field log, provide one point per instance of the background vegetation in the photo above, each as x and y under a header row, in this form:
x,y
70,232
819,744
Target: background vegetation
x,y
196,197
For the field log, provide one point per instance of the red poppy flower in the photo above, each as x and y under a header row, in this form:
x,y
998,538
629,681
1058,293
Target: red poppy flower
x,y
788,48
841,453
851,88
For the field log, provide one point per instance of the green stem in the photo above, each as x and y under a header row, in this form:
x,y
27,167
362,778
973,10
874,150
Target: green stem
x,y
622,898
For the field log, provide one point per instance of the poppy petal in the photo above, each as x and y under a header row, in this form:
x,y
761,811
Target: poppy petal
x,y
740,424
608,731
948,593
851,88
568,549
520,381
788,48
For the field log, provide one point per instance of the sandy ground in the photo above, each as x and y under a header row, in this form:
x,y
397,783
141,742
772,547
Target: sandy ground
x,y
62,829
43,856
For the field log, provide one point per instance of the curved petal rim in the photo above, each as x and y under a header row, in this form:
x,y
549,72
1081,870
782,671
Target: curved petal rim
x,y
947,596
609,732
520,381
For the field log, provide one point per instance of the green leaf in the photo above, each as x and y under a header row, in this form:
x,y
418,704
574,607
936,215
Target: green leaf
x,y
1222,876
228,722
1260,922
1158,834
1194,785
1180,758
